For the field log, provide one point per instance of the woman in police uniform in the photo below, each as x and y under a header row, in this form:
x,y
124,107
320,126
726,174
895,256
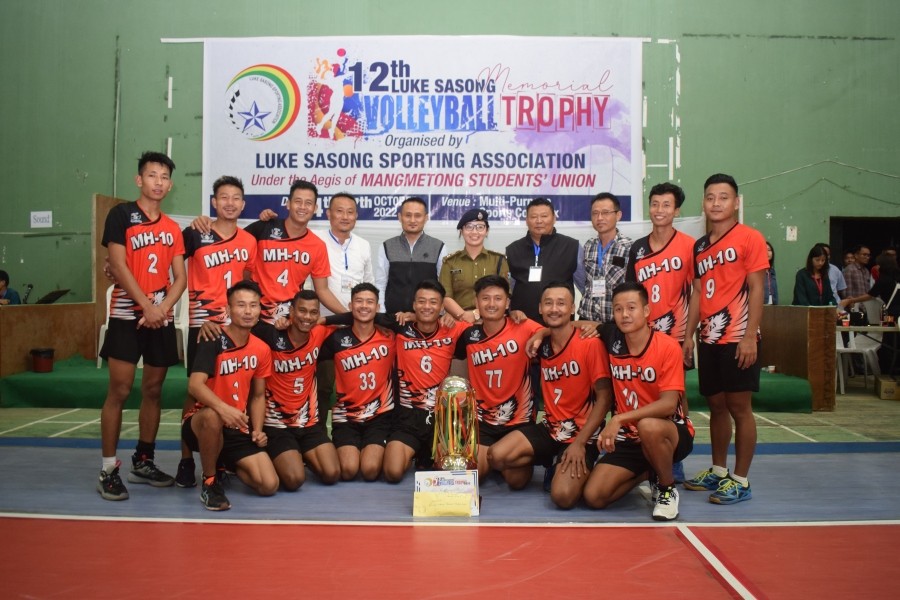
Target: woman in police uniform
x,y
462,269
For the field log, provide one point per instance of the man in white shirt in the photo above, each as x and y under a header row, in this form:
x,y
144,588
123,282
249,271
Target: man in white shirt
x,y
350,255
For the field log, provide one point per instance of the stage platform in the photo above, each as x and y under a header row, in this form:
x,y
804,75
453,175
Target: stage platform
x,y
78,383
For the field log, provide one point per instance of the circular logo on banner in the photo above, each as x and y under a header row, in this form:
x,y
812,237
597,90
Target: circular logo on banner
x,y
263,102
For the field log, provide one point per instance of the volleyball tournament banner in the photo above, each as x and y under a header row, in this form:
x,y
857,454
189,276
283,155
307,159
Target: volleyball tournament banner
x,y
463,122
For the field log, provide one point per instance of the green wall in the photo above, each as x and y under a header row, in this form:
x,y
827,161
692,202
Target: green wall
x,y
766,88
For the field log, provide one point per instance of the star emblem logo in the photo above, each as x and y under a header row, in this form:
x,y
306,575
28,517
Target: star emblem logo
x,y
254,117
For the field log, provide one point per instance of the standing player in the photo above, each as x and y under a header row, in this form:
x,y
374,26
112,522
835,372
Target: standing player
x,y
215,261
648,430
287,253
363,364
663,261
574,377
294,426
727,301
425,349
143,245
499,369
229,383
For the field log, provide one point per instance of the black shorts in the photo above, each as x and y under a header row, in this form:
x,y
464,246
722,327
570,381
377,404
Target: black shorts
x,y
124,341
192,343
236,445
488,435
717,370
301,439
547,451
374,431
630,455
415,428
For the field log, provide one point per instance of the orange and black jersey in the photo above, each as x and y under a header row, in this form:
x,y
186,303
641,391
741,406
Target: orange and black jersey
x,y
150,247
668,276
567,382
214,265
363,374
638,380
283,263
722,268
292,398
232,368
499,370
423,362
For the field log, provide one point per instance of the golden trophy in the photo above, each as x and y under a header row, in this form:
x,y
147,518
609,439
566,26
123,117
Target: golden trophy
x,y
455,426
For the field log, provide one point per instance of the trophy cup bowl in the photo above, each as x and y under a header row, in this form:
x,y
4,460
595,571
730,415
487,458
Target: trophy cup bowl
x,y
455,426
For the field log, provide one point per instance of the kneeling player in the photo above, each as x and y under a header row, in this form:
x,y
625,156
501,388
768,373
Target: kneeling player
x,y
229,382
363,379
648,430
499,369
425,350
574,374
295,431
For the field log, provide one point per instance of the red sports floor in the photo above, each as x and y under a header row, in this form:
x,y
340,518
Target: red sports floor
x,y
96,558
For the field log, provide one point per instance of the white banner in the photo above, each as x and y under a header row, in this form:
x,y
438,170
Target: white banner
x,y
463,122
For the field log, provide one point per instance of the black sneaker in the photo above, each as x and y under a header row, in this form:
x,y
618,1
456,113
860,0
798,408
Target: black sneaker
x,y
213,498
186,477
110,485
145,471
549,473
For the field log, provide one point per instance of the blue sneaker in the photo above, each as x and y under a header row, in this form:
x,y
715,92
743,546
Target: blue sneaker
x,y
704,481
678,472
729,492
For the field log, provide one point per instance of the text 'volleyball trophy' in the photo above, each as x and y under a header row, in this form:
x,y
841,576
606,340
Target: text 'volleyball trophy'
x,y
455,426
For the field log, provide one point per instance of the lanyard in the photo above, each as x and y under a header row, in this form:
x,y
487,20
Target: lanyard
x,y
344,248
601,252
537,253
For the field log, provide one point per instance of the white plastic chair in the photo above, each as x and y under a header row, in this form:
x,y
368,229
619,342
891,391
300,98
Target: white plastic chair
x,y
104,327
862,345
872,310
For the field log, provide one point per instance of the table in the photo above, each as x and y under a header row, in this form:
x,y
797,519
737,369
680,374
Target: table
x,y
869,328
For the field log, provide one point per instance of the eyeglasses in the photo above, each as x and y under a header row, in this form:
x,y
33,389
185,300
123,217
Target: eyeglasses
x,y
475,227
603,213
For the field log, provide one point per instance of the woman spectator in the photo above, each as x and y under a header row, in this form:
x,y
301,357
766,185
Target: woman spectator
x,y
811,287
770,283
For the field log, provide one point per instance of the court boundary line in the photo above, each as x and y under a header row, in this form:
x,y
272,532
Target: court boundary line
x,y
713,562
786,428
525,525
29,424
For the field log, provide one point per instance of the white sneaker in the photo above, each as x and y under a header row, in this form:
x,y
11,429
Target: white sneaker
x,y
666,508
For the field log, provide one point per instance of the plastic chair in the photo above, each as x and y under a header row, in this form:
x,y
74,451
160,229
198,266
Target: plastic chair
x,y
859,344
104,327
872,308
